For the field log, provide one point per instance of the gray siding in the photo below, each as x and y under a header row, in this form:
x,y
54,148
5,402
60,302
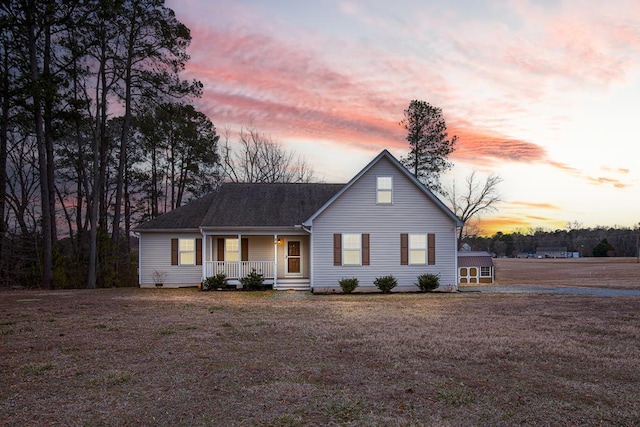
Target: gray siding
x,y
356,211
155,254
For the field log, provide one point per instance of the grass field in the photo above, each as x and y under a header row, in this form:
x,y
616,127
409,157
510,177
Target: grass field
x,y
182,357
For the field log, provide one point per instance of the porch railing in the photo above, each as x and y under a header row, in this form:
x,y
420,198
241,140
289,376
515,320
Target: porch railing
x,y
237,270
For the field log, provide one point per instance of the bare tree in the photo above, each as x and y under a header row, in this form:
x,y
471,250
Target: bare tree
x,y
259,159
475,198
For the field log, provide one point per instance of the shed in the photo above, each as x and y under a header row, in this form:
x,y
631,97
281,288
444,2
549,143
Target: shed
x,y
475,267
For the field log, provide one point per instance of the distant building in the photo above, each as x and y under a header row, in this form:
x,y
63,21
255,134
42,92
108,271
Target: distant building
x,y
553,252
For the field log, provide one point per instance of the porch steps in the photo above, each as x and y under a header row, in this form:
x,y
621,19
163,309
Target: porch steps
x,y
293,284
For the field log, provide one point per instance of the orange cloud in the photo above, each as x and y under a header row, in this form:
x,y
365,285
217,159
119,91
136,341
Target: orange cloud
x,y
508,224
533,205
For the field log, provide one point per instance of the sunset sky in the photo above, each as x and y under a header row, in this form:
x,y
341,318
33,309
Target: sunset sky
x,y
544,93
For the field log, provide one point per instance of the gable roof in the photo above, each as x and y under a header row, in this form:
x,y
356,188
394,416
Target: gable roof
x,y
269,205
386,154
247,205
475,259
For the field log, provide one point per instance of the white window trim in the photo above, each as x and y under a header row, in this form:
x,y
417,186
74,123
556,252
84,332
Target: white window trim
x,y
227,252
345,249
488,271
181,251
379,190
425,249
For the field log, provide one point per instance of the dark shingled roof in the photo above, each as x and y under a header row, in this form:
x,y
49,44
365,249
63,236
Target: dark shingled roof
x,y
186,216
267,205
475,259
248,205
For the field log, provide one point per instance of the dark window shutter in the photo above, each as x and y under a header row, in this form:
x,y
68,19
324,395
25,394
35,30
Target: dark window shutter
x,y
337,249
431,244
245,250
174,251
365,249
404,249
198,251
220,249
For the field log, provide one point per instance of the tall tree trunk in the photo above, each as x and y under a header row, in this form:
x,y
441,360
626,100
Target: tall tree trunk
x,y
4,135
126,124
97,191
49,94
36,87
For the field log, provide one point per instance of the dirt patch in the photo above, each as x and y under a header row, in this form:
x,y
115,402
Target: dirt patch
x,y
182,357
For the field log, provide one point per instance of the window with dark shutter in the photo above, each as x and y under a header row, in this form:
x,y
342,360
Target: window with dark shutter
x,y
337,249
404,249
220,256
174,251
198,251
431,243
365,249
245,250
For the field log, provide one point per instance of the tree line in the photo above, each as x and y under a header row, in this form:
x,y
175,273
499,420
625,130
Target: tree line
x,y
97,131
587,242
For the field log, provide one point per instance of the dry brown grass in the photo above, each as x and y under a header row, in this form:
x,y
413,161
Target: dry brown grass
x,y
619,273
182,357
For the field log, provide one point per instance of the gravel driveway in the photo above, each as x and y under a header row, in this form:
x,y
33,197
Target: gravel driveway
x,y
568,290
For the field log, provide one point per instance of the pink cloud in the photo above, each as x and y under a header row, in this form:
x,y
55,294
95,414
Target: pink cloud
x,y
285,90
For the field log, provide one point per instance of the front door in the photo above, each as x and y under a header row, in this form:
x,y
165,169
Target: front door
x,y
293,258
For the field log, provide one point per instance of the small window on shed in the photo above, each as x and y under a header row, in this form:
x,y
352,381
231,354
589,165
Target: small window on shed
x,y
384,188
485,271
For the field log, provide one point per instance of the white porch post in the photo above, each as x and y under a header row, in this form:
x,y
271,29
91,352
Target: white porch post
x,y
204,256
240,275
275,262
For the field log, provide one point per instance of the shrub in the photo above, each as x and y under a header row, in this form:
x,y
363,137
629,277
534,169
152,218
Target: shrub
x,y
385,283
253,282
428,282
215,282
348,285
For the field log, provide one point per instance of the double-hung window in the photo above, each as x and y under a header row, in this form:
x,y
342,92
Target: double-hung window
x,y
186,252
351,249
231,250
417,249
384,190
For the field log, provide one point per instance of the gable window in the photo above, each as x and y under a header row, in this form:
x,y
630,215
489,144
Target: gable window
x,y
417,249
384,190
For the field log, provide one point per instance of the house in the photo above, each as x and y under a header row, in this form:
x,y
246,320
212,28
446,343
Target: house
x,y
553,252
306,236
475,267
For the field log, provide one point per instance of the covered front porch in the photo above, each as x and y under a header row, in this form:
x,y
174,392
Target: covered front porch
x,y
282,259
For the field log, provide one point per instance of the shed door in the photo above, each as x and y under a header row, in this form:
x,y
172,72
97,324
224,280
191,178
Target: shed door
x,y
469,275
